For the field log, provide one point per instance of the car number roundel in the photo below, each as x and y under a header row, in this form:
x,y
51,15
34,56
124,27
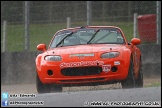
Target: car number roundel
x,y
106,68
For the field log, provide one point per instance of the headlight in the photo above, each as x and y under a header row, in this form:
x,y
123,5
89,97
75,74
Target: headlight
x,y
53,58
110,55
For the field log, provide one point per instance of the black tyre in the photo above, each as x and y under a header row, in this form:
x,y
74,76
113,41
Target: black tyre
x,y
42,88
56,88
129,82
139,80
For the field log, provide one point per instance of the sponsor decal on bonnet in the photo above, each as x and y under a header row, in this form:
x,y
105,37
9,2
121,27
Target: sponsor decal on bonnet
x,y
82,63
82,55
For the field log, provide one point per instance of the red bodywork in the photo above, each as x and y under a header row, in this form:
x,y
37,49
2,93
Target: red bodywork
x,y
71,62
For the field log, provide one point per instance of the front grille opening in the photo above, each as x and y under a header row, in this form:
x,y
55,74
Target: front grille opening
x,y
81,71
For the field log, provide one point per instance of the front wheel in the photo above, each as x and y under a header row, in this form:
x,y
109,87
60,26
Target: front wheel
x,y
42,88
129,82
56,88
139,80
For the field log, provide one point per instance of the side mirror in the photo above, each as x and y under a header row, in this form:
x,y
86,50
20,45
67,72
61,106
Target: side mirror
x,y
41,47
135,41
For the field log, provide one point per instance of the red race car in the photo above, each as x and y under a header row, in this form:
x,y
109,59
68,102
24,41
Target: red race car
x,y
88,55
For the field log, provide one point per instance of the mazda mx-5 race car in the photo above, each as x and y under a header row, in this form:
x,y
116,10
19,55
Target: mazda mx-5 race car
x,y
88,55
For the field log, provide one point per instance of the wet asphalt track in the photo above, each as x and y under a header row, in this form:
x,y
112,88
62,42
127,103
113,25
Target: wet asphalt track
x,y
139,96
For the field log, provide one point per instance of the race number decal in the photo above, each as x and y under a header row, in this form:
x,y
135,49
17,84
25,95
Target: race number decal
x,y
106,68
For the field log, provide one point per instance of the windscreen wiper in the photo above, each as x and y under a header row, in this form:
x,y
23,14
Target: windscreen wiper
x,y
64,39
93,36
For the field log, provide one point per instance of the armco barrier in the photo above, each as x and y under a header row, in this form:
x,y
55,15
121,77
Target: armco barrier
x,y
19,67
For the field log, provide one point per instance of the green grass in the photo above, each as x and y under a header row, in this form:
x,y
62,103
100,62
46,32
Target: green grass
x,y
155,84
43,33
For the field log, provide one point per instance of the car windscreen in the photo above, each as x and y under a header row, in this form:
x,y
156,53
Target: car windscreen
x,y
108,36
87,36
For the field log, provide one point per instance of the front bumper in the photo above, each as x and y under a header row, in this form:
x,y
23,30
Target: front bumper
x,y
105,75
